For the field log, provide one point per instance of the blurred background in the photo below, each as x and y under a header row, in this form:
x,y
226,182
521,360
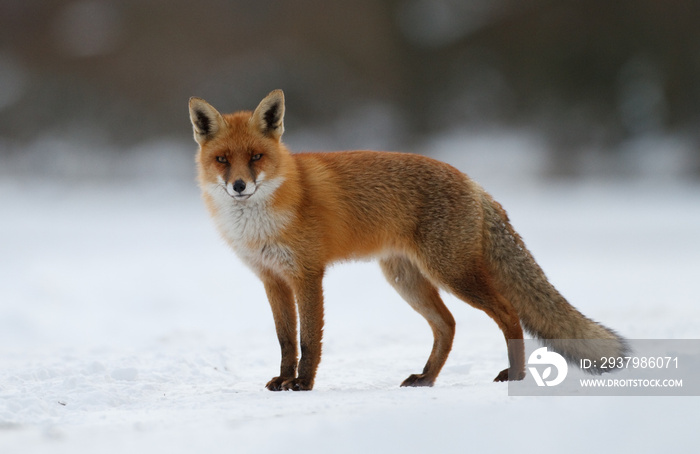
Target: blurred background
x,y
548,88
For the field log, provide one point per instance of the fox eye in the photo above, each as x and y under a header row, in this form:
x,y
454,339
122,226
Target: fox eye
x,y
256,157
222,159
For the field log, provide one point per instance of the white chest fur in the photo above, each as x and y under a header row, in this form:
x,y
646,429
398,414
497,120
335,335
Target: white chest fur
x,y
252,229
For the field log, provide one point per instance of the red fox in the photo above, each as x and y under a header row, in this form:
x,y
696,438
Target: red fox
x,y
288,216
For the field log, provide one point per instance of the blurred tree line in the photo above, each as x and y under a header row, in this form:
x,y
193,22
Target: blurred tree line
x,y
591,74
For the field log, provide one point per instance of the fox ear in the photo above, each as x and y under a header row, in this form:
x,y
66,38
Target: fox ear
x,y
268,117
206,121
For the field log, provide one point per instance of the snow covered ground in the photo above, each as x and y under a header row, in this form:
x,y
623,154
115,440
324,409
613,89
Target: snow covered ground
x,y
126,325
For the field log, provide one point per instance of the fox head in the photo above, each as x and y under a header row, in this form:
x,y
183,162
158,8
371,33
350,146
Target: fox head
x,y
240,154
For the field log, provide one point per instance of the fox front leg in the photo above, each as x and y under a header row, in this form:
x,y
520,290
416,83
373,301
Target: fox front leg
x,y
281,299
309,293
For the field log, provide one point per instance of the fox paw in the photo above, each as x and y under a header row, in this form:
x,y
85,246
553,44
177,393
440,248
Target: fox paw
x,y
418,380
287,384
276,383
510,375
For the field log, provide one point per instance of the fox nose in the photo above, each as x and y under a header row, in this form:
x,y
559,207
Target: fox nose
x,y
239,186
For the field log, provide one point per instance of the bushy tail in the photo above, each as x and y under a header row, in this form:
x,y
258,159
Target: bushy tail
x,y
543,311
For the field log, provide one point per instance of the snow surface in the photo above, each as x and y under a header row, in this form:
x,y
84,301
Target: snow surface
x,y
126,325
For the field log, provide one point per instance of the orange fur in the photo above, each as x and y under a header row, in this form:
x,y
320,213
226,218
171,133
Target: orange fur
x,y
288,216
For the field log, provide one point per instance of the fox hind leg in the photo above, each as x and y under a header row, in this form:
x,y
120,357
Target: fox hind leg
x,y
424,297
481,294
